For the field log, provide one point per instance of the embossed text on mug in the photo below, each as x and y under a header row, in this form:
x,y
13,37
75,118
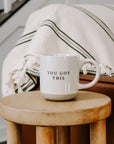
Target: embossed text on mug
x,y
55,75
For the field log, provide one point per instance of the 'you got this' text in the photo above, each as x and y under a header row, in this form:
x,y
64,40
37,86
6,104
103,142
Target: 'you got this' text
x,y
58,75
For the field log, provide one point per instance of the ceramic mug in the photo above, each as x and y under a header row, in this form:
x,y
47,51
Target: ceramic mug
x,y
59,76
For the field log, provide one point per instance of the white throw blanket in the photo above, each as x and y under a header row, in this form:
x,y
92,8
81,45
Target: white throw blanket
x,y
86,30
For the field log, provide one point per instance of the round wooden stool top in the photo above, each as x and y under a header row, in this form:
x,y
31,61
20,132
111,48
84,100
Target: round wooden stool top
x,y
31,108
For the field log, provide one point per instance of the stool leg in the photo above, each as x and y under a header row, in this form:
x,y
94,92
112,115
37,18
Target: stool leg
x,y
45,135
98,132
14,133
63,135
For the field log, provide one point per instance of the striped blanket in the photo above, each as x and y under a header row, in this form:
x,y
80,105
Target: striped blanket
x,y
86,30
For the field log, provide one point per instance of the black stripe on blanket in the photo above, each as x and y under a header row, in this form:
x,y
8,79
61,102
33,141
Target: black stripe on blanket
x,y
98,21
64,40
33,80
23,42
33,72
34,76
62,35
27,34
26,38
68,39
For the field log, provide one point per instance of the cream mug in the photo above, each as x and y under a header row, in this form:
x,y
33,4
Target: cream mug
x,y
59,76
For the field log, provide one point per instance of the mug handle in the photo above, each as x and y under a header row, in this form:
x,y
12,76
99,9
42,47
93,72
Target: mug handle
x,y
85,61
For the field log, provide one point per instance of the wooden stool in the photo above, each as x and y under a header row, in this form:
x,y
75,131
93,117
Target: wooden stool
x,y
32,109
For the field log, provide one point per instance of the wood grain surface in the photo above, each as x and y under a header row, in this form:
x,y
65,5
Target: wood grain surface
x,y
31,108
